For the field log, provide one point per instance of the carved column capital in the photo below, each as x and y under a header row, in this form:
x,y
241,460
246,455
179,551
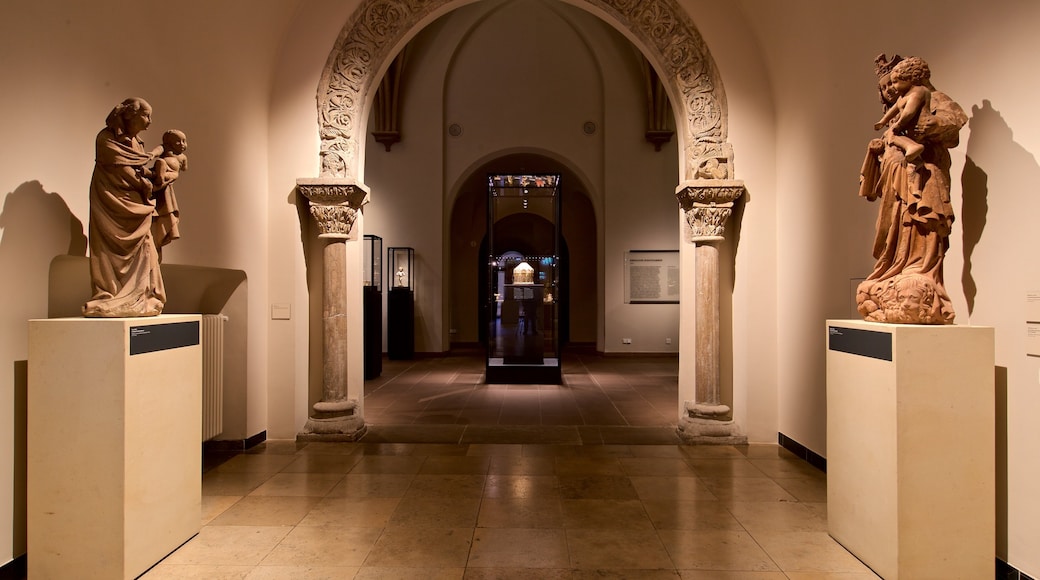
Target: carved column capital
x,y
334,204
707,205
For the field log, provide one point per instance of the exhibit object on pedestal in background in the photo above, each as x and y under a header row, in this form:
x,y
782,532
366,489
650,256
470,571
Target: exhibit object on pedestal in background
x,y
908,171
133,213
400,304
372,269
523,279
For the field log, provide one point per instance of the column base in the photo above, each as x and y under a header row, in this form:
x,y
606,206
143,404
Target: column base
x,y
333,421
709,432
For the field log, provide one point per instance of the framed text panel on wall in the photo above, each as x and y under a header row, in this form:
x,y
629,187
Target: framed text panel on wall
x,y
652,277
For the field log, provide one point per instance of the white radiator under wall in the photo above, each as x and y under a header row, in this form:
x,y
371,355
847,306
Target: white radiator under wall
x,y
212,375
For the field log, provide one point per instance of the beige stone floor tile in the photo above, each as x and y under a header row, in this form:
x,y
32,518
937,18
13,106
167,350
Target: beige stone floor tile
x,y
525,512
446,486
550,450
372,485
451,465
732,489
214,505
712,451
808,552
353,512
277,447
495,450
571,466
656,466
266,511
766,451
805,489
690,515
780,516
730,575
620,548
322,463
323,546
604,514
601,451
298,484
677,488
734,467
439,449
396,573
832,576
520,465
518,548
413,547
519,574
779,468
407,465
248,463
427,512
624,574
596,487
302,572
323,448
715,550
542,486
232,483
166,571
667,451
387,449
229,546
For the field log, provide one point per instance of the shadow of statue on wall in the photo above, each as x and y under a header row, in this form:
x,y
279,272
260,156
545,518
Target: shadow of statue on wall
x,y
35,226
996,163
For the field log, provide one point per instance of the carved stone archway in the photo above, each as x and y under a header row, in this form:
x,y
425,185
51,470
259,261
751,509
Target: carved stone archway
x,y
662,30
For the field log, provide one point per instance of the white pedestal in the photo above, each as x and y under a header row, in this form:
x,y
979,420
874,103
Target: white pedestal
x,y
114,460
910,448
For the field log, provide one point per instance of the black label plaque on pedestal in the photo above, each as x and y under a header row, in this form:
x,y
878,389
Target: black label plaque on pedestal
x,y
156,337
867,343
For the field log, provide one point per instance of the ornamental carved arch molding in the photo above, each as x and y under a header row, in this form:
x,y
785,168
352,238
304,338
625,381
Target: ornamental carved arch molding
x,y
660,28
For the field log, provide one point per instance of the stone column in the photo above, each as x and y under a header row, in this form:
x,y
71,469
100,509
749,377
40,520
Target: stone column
x,y
707,206
334,205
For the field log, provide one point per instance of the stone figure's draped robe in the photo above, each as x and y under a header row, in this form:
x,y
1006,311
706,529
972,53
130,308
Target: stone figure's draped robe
x,y
915,215
124,265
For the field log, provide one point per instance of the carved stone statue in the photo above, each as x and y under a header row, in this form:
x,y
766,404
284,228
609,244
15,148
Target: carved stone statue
x,y
124,263
908,170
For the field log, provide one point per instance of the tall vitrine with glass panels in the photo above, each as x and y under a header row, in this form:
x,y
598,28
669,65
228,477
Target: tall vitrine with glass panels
x,y
523,264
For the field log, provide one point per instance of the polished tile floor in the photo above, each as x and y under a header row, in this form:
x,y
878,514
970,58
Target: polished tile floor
x,y
461,480
603,399
291,510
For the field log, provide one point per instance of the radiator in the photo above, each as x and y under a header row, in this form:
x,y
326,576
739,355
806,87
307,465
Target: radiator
x,y
212,375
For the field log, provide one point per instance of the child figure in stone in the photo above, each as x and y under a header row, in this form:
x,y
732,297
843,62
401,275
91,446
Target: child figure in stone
x,y
909,80
166,170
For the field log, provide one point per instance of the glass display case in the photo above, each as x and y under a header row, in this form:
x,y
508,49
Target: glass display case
x,y
372,273
399,267
523,279
400,304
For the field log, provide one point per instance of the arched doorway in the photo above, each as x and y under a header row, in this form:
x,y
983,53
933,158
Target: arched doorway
x,y
468,250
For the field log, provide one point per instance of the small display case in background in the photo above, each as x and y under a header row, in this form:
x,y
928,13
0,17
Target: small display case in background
x,y
372,271
400,304
399,269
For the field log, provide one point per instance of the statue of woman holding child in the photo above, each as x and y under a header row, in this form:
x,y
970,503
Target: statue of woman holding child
x,y
908,170
124,261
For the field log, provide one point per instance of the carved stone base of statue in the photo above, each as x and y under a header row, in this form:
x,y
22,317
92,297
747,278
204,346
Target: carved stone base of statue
x,y
334,421
904,299
704,424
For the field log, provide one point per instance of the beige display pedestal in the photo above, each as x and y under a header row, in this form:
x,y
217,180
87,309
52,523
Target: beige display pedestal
x,y
910,448
114,453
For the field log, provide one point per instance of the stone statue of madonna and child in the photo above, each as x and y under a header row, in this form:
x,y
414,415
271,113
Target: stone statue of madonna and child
x,y
133,213
908,171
